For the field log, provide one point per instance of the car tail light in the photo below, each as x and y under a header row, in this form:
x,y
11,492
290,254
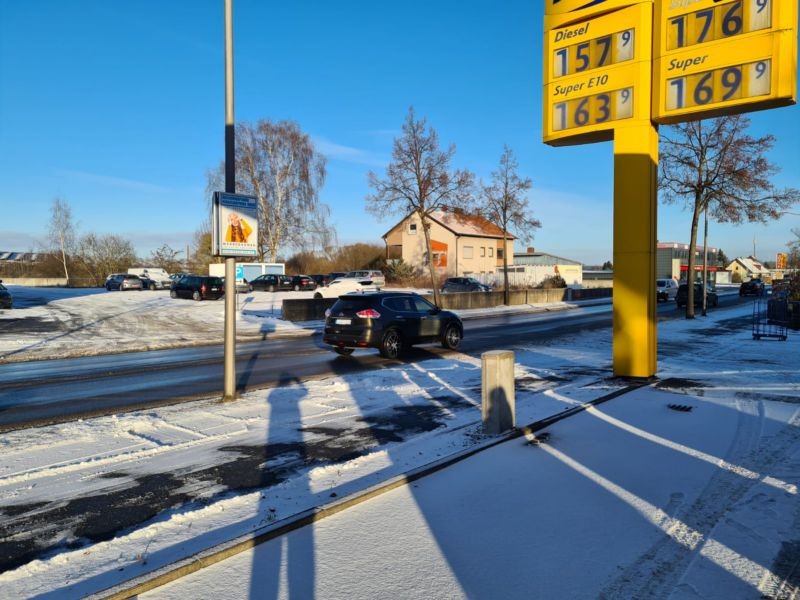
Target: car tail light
x,y
203,289
370,313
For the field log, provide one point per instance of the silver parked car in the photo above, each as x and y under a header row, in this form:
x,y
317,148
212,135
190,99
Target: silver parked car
x,y
666,290
123,281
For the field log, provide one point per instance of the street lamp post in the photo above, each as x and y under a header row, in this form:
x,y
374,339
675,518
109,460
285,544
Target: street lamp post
x,y
229,387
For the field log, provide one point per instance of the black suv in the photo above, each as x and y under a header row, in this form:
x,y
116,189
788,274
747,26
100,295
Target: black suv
x,y
198,287
754,287
271,283
682,297
390,322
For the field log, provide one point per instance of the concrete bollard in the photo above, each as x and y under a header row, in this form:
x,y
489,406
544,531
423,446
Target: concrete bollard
x,y
497,391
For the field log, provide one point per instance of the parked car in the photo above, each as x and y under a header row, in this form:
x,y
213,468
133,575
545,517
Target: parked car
x,y
321,280
198,287
390,322
682,297
464,284
123,281
754,287
271,283
337,287
375,278
666,290
303,283
6,299
153,278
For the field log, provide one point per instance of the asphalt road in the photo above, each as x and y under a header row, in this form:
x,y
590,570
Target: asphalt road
x,y
41,392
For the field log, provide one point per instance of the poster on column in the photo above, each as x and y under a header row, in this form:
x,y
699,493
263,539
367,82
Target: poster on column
x,y
234,225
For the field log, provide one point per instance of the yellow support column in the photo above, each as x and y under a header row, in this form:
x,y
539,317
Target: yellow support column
x,y
635,202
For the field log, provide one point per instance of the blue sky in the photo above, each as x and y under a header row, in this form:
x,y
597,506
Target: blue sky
x,y
118,108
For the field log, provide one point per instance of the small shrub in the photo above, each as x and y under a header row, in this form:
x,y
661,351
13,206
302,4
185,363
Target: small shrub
x,y
736,277
553,282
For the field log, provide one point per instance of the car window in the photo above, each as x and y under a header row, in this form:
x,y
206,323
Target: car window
x,y
215,281
2,287
351,305
421,305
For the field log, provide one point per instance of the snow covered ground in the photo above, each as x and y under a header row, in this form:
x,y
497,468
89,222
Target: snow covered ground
x,y
744,394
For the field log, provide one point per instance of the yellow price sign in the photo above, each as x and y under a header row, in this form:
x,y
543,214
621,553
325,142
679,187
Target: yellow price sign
x,y
714,58
718,22
593,110
597,73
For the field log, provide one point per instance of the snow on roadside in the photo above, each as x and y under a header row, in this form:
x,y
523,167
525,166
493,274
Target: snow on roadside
x,y
62,461
66,322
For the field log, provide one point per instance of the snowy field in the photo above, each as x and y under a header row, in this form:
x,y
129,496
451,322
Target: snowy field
x,y
756,383
67,322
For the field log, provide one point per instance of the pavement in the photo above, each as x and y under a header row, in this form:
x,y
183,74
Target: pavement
x,y
659,491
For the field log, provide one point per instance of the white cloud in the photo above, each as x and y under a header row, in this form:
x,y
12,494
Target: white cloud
x,y
115,182
347,153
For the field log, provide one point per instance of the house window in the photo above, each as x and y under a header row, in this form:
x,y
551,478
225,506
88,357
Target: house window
x,y
491,251
467,251
483,251
499,253
412,229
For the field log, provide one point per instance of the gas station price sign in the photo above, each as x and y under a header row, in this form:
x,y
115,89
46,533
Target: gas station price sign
x,y
597,74
713,58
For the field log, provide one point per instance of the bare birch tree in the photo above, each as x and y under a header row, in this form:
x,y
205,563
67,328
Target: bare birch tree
x,y
278,164
419,180
715,165
62,233
506,205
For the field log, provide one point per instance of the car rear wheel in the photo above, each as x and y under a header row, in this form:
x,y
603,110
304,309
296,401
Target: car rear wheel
x,y
343,351
271,288
392,344
196,296
296,288
317,296
451,337
173,294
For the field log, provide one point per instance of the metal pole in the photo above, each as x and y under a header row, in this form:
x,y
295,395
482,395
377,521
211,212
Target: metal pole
x,y
705,259
229,390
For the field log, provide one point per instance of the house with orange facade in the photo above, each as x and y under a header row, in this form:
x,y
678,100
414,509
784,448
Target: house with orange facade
x,y
462,245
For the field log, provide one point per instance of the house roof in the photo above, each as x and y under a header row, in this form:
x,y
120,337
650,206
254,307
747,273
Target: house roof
x,y
750,263
542,259
461,224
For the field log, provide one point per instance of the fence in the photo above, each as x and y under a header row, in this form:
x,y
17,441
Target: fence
x,y
314,310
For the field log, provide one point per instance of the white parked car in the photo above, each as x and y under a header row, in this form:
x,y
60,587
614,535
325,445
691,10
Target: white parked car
x,y
366,277
666,290
338,287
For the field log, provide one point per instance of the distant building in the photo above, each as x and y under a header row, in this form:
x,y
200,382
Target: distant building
x,y
461,244
672,260
532,268
749,267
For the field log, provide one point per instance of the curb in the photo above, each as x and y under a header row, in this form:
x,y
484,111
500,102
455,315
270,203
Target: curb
x,y
220,552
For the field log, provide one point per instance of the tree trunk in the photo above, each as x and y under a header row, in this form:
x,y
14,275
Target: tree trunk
x,y
690,266
64,259
434,280
506,294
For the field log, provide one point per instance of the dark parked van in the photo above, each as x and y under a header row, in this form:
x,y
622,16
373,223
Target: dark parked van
x,y
198,287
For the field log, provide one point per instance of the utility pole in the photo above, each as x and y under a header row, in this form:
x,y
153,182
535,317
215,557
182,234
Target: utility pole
x,y
229,392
